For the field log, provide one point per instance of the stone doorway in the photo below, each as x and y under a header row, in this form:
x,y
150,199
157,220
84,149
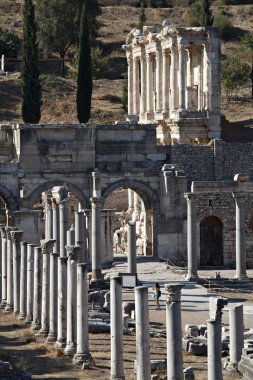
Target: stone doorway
x,y
211,252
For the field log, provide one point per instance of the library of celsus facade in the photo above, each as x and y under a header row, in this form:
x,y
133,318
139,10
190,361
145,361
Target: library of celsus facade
x,y
174,81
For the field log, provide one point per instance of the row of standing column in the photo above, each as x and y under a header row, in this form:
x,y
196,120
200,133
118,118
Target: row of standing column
x,y
192,260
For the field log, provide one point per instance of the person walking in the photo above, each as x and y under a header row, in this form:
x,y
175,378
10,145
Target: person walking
x,y
157,295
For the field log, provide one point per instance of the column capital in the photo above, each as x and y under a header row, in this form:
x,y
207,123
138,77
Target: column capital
x,y
16,236
47,200
158,55
149,57
165,52
96,201
73,251
3,232
136,59
239,197
59,193
216,304
54,204
190,197
47,246
173,293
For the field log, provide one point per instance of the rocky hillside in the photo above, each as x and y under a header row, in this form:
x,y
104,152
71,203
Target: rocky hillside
x,y
115,22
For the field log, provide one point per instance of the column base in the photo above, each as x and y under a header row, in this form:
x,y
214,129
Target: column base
x,y
8,308
60,343
3,304
231,367
70,349
21,316
35,326
241,277
51,339
85,359
16,312
192,277
43,332
28,319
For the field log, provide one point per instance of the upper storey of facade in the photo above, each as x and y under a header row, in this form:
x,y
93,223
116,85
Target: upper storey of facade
x,y
174,80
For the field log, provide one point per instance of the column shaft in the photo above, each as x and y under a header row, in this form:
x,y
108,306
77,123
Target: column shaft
x,y
37,289
143,100
9,303
82,327
130,83
191,238
236,334
165,82
150,105
158,81
136,87
173,79
80,236
143,367
70,348
45,296
96,239
23,280
181,78
61,304
214,350
131,247
4,268
53,299
174,333
240,237
29,286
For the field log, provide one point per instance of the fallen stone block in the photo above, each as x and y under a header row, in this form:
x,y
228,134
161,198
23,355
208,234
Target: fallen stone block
x,y
202,329
189,374
192,330
198,348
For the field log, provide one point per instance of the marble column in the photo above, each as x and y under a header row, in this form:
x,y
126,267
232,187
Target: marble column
x,y
136,86
131,237
16,236
62,275
182,74
37,289
52,336
47,203
80,236
63,214
240,236
117,359
192,274
96,240
214,338
165,82
47,247
72,253
143,366
23,280
173,79
130,82
56,226
9,301
61,304
82,355
4,267
150,105
143,99
29,284
236,334
130,209
158,81
174,332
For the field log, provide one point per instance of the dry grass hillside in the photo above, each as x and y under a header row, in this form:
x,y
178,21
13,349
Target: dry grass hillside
x,y
115,23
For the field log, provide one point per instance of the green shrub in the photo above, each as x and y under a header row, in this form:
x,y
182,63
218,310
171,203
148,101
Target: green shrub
x,y
235,74
222,22
99,64
9,43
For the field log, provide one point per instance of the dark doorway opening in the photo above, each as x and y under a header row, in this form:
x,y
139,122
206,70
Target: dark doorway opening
x,y
211,252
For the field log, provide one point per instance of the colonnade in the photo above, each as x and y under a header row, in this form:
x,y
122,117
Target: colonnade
x,y
192,259
168,78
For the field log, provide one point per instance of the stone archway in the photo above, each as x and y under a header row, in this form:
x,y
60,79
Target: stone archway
x,y
211,248
150,199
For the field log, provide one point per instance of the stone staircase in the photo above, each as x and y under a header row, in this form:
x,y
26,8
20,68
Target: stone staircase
x,y
227,284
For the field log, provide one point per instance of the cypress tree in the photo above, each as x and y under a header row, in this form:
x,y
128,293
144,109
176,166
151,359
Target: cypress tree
x,y
207,14
142,18
31,89
84,77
